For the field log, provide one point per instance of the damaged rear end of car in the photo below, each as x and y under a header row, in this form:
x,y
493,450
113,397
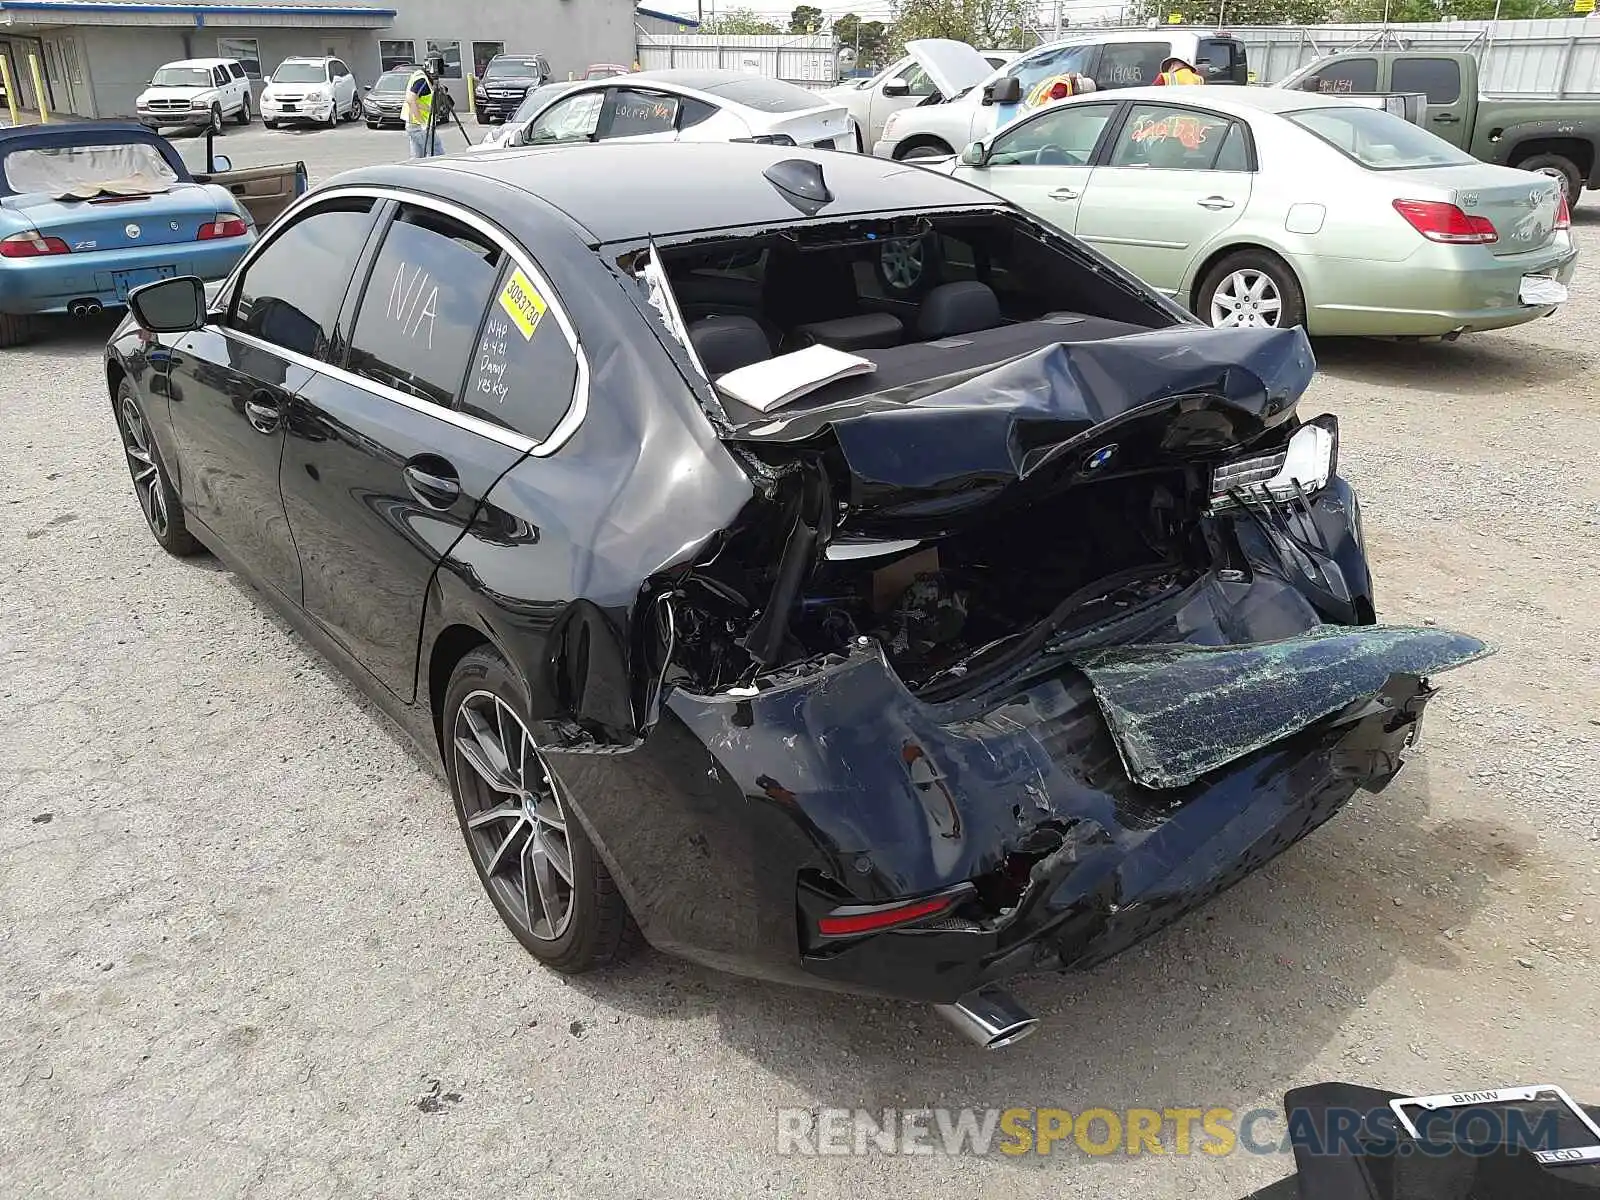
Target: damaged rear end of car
x,y
1008,664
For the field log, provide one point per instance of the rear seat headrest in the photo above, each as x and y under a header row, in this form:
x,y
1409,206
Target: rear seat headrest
x,y
953,308
727,343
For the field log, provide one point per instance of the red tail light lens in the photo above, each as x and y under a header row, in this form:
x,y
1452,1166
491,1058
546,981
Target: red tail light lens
x,y
1441,222
1563,213
843,922
225,226
32,245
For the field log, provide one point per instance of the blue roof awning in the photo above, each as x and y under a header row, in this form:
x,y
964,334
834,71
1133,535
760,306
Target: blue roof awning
x,y
686,22
196,11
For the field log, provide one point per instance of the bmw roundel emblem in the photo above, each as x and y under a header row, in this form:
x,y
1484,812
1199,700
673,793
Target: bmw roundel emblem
x,y
132,231
1100,457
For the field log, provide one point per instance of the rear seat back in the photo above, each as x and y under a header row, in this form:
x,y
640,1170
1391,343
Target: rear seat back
x,y
956,308
725,344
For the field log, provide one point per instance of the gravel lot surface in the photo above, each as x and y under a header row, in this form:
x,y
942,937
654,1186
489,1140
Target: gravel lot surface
x,y
243,953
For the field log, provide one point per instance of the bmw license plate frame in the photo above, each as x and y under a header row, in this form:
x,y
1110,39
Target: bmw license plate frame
x,y
1549,1092
124,282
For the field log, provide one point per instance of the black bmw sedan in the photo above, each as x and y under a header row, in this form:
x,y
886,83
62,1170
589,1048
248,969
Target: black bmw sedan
x,y
805,560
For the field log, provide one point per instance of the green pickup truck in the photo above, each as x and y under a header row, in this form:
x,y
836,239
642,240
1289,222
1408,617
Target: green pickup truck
x,y
1553,137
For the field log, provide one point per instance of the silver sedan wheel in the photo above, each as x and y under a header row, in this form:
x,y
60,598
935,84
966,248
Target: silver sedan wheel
x,y
902,263
1247,298
142,465
516,823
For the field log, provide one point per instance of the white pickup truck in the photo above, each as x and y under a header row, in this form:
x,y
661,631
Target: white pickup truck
x,y
195,94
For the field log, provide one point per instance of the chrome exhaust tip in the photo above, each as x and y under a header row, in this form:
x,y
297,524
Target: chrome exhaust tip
x,y
76,308
990,1017
93,309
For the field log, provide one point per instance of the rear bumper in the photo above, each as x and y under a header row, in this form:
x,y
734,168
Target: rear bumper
x,y
44,285
1442,292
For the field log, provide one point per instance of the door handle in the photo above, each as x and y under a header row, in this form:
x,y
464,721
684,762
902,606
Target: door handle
x,y
1446,119
1063,194
438,487
1215,202
263,417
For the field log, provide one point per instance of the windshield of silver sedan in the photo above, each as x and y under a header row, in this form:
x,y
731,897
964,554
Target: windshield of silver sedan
x,y
1379,141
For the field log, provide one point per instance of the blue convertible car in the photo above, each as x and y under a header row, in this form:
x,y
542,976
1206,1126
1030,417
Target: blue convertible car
x,y
90,211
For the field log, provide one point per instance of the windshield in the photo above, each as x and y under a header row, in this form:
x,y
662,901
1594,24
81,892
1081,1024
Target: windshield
x,y
183,77
300,73
394,81
512,68
124,167
1378,140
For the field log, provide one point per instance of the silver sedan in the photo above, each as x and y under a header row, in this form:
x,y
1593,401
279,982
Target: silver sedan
x,y
1257,206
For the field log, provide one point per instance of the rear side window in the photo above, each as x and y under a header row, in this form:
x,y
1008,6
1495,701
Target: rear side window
x,y
524,370
423,306
636,113
1344,76
691,112
1131,64
236,70
291,294
1235,152
1440,78
1378,140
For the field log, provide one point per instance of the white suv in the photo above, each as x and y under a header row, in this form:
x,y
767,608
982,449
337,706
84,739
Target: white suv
x,y
311,89
196,93
1117,59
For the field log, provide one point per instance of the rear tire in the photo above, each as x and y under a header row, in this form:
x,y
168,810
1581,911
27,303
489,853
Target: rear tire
x,y
15,329
1257,286
593,927
1562,168
244,112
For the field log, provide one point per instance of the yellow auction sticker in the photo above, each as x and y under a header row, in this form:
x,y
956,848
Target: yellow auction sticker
x,y
523,304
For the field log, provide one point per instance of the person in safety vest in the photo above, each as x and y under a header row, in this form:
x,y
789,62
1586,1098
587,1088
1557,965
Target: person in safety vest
x,y
420,124
1057,87
1176,70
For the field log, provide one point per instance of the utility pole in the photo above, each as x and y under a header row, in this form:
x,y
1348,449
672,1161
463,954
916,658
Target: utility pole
x,y
1058,18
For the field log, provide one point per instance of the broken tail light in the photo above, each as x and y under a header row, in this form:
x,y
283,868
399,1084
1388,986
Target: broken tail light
x,y
857,919
224,225
32,244
1563,212
1441,222
1302,467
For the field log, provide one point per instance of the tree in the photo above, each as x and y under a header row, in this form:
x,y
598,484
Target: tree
x,y
869,39
739,22
982,23
805,19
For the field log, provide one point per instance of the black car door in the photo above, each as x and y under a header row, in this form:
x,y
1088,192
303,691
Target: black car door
x,y
383,471
232,381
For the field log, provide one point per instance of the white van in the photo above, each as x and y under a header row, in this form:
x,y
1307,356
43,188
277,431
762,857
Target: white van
x,y
977,107
196,93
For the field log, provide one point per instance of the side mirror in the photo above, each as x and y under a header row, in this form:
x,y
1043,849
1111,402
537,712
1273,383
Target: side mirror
x,y
896,87
221,162
169,305
1005,90
1311,85
975,155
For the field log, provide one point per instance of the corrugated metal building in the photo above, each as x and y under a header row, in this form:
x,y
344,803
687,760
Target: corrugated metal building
x,y
95,56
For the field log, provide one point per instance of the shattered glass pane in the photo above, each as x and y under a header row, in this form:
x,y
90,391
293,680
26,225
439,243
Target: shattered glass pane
x,y
1178,711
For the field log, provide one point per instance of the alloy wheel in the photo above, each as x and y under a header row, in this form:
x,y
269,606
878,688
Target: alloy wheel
x,y
516,822
902,263
147,482
1560,176
1246,299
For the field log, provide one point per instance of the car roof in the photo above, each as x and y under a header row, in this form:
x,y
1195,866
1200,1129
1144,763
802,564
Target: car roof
x,y
197,62
619,193
1238,100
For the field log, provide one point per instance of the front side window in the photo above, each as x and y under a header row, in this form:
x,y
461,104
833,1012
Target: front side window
x,y
1440,78
523,369
291,293
1171,139
1131,64
916,79
219,76
636,114
339,69
574,119
1064,136
450,51
1344,76
1378,140
395,54
424,305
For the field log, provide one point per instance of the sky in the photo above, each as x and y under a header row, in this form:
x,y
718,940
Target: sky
x,y
1080,10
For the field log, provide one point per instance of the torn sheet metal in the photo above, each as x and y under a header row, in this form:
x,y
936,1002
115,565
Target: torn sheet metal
x,y
1179,711
960,439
